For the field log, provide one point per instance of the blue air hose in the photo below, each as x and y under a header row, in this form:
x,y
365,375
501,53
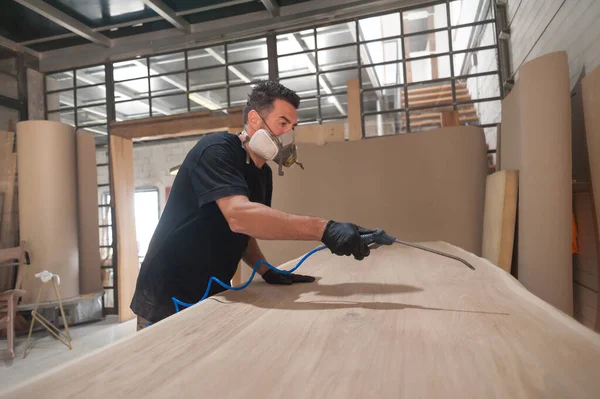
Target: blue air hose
x,y
178,303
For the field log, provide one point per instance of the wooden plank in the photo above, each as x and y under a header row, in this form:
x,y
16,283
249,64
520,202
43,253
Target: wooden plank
x,y
320,134
500,217
122,192
354,114
87,199
417,317
591,104
450,118
436,88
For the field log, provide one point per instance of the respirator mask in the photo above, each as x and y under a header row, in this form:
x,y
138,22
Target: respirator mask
x,y
280,149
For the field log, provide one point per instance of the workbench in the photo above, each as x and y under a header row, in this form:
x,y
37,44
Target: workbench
x,y
403,323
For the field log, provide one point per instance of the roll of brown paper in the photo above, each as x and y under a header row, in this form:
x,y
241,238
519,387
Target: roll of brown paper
x,y
48,205
545,181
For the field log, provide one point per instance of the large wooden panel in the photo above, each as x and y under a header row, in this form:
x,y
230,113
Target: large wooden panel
x,y
401,324
499,218
48,205
87,198
419,187
123,189
591,105
510,151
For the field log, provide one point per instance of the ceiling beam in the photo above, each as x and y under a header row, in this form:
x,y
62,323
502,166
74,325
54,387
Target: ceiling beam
x,y
66,21
16,47
167,13
272,6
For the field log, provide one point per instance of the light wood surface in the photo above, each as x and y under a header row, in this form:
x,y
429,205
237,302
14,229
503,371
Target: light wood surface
x,y
401,324
123,189
47,179
87,211
499,218
355,131
591,106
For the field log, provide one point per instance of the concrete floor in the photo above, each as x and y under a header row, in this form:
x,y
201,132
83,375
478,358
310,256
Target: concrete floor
x,y
48,352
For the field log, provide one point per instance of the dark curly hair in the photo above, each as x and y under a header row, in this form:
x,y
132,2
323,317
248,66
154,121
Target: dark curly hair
x,y
264,94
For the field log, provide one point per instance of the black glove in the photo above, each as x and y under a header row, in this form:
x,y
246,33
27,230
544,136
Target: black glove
x,y
344,239
272,277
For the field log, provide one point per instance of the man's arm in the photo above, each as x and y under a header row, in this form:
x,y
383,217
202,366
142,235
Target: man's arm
x,y
265,223
253,254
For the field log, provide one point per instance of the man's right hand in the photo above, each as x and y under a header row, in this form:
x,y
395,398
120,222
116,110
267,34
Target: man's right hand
x,y
344,239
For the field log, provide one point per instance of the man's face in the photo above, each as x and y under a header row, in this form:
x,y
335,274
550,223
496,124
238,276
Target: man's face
x,y
282,118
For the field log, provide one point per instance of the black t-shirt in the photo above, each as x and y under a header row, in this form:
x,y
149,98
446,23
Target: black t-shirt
x,y
193,241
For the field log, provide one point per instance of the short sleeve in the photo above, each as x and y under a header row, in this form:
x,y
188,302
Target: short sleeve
x,y
217,174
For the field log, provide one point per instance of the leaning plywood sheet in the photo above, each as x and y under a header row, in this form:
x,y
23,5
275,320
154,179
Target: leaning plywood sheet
x,y
401,324
420,187
591,108
123,186
499,218
87,198
511,132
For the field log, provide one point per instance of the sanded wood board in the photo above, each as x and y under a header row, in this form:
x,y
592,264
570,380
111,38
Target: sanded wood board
x,y
401,324
499,218
123,189
591,106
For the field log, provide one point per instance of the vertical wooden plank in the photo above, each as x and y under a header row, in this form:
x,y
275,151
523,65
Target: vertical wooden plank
x,y
449,118
123,189
354,114
591,104
87,199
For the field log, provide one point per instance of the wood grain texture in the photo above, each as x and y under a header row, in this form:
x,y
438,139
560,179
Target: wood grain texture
x,y
123,189
48,205
499,218
419,187
401,324
354,113
87,211
591,104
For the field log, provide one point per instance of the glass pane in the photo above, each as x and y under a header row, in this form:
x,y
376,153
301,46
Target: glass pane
x,y
208,100
207,78
334,106
336,35
295,42
60,100
428,69
479,87
90,76
381,51
465,12
491,139
97,130
248,72
9,86
131,89
169,105
248,50
426,44
380,27
91,95
383,100
109,296
475,62
308,109
238,95
426,18
59,81
168,84
132,110
427,119
385,124
383,75
167,63
338,81
67,117
337,58
91,115
487,112
461,37
146,208
432,94
304,86
130,69
206,57
298,64
101,140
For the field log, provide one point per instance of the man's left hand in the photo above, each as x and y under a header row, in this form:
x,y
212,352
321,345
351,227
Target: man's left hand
x,y
273,277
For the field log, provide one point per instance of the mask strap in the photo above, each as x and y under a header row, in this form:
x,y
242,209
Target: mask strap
x,y
245,139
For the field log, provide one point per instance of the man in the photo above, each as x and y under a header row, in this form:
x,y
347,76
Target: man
x,y
219,206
